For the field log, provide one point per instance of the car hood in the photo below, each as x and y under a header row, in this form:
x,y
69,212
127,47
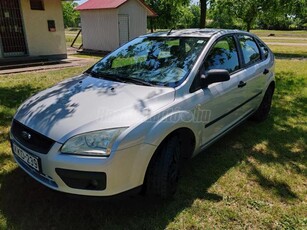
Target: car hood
x,y
84,103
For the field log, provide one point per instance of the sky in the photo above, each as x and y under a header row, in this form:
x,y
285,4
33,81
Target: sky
x,y
82,1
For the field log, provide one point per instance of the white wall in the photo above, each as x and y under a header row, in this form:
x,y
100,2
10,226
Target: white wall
x,y
100,29
38,38
137,18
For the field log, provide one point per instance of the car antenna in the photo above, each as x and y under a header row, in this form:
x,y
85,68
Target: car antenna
x,y
169,32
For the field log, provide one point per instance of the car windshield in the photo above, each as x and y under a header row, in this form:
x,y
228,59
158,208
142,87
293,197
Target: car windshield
x,y
163,61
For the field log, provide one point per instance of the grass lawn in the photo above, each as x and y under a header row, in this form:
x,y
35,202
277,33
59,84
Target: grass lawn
x,y
285,40
289,51
70,36
281,33
255,177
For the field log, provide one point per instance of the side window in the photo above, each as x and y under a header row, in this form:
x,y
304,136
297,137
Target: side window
x,y
250,49
224,55
264,49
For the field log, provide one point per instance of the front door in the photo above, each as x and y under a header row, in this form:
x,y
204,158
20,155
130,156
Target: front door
x,y
223,102
123,26
12,37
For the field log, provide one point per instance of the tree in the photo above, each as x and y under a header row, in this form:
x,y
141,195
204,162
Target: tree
x,y
286,14
267,14
247,10
295,12
203,13
71,16
186,17
221,17
169,12
195,10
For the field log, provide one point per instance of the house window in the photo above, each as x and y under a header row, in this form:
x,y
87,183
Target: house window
x,y
37,4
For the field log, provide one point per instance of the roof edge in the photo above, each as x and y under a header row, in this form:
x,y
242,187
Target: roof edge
x,y
153,13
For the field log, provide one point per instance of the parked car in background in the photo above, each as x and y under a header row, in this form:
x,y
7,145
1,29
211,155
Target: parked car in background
x,y
134,118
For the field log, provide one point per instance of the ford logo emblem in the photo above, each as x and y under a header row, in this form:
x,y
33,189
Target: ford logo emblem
x,y
26,135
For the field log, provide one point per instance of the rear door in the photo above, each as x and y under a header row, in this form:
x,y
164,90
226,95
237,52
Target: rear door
x,y
255,71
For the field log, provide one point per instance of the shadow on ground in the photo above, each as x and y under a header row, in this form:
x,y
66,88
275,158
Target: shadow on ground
x,y
289,55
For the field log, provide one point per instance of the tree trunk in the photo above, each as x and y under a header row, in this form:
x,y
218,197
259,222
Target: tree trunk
x,y
203,13
151,24
249,25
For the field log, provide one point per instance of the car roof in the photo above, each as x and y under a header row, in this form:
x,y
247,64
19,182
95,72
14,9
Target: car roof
x,y
206,33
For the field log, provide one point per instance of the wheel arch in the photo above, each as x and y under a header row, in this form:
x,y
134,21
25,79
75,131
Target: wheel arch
x,y
272,85
187,141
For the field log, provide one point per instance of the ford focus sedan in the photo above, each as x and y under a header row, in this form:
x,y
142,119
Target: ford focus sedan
x,y
134,118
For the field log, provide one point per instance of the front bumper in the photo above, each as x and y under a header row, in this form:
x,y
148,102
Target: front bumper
x,y
91,176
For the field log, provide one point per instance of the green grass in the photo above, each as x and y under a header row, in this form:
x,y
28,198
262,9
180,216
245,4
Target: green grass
x,y
253,178
283,51
281,33
70,36
284,40
95,56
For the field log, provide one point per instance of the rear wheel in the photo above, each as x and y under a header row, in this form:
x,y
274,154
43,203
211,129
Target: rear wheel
x,y
163,174
263,111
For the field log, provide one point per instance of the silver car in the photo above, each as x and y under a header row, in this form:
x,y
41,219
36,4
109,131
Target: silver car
x,y
133,119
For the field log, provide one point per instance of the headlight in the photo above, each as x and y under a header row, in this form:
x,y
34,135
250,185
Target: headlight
x,y
97,143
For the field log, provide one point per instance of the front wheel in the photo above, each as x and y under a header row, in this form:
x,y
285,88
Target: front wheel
x,y
163,174
263,111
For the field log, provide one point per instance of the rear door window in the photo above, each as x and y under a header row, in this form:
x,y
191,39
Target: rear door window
x,y
251,52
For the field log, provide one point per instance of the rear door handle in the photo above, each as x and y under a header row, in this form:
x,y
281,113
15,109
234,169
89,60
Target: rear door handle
x,y
266,71
241,84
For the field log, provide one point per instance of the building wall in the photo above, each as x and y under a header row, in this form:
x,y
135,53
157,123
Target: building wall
x,y
39,39
137,18
100,29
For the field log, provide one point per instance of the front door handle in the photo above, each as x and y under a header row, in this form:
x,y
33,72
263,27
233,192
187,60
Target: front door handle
x,y
266,71
241,84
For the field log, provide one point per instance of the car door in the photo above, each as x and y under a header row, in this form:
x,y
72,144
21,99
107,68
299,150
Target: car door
x,y
254,73
220,104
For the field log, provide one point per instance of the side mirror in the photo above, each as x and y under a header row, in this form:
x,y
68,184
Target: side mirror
x,y
213,76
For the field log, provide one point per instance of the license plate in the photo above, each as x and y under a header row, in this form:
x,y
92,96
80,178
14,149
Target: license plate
x,y
30,160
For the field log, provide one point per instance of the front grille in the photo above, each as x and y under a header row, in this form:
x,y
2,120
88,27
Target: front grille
x,y
38,142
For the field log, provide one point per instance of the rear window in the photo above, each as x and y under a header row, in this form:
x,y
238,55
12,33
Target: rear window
x,y
264,49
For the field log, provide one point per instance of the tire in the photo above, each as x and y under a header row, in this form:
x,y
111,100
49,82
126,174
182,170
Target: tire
x,y
263,111
163,174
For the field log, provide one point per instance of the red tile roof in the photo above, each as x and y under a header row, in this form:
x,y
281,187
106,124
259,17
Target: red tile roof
x,y
101,4
110,4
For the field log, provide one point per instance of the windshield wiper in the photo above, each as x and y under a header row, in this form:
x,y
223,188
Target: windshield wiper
x,y
136,81
107,76
120,78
